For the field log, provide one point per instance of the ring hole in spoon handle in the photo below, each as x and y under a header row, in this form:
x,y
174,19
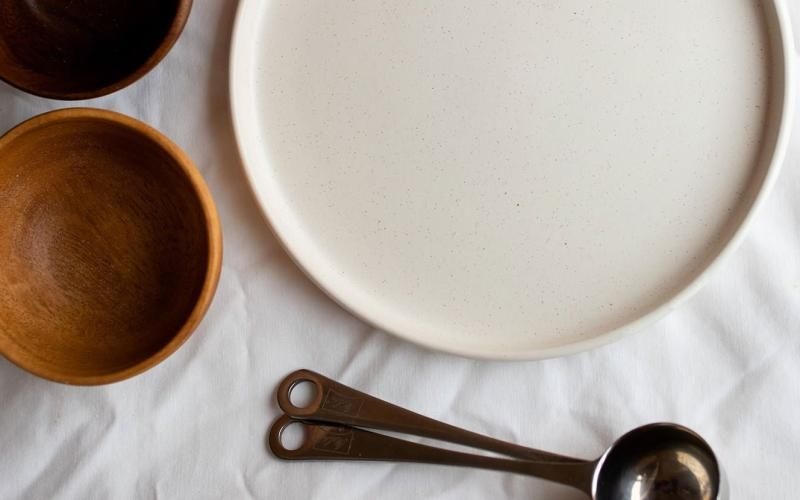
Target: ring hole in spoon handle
x,y
288,437
303,393
300,393
293,436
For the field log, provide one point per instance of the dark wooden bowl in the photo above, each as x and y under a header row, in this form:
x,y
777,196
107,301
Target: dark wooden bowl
x,y
79,49
110,246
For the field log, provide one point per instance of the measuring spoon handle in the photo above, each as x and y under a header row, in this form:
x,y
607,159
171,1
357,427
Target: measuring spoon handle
x,y
323,442
335,403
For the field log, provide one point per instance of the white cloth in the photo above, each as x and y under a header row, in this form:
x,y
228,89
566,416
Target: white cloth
x,y
727,363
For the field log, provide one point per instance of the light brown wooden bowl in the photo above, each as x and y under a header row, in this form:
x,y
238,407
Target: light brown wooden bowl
x,y
110,246
78,50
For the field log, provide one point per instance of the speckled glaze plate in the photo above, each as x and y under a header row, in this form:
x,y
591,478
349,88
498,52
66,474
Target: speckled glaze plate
x,y
510,180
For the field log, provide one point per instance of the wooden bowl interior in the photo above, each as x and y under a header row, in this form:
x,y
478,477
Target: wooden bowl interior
x,y
103,248
78,47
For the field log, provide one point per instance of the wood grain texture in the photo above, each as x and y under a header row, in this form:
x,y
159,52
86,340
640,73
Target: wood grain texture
x,y
110,247
85,48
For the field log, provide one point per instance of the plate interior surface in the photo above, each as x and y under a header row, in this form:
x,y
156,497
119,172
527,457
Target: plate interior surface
x,y
506,180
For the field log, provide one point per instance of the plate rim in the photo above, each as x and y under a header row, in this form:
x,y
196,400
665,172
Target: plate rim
x,y
775,159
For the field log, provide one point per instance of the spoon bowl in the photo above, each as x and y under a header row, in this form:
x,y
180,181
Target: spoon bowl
x,y
658,461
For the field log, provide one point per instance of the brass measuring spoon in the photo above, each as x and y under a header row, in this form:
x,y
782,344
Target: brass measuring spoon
x,y
656,461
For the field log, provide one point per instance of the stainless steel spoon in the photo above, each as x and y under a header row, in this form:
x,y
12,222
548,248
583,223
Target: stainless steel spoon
x,y
653,462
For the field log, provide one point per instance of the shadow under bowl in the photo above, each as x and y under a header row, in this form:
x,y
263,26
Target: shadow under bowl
x,y
110,246
85,48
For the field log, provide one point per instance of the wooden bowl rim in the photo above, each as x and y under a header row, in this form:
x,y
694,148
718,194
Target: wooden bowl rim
x,y
213,231
172,35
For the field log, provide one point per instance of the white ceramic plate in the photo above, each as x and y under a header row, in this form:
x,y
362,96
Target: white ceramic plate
x,y
510,180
